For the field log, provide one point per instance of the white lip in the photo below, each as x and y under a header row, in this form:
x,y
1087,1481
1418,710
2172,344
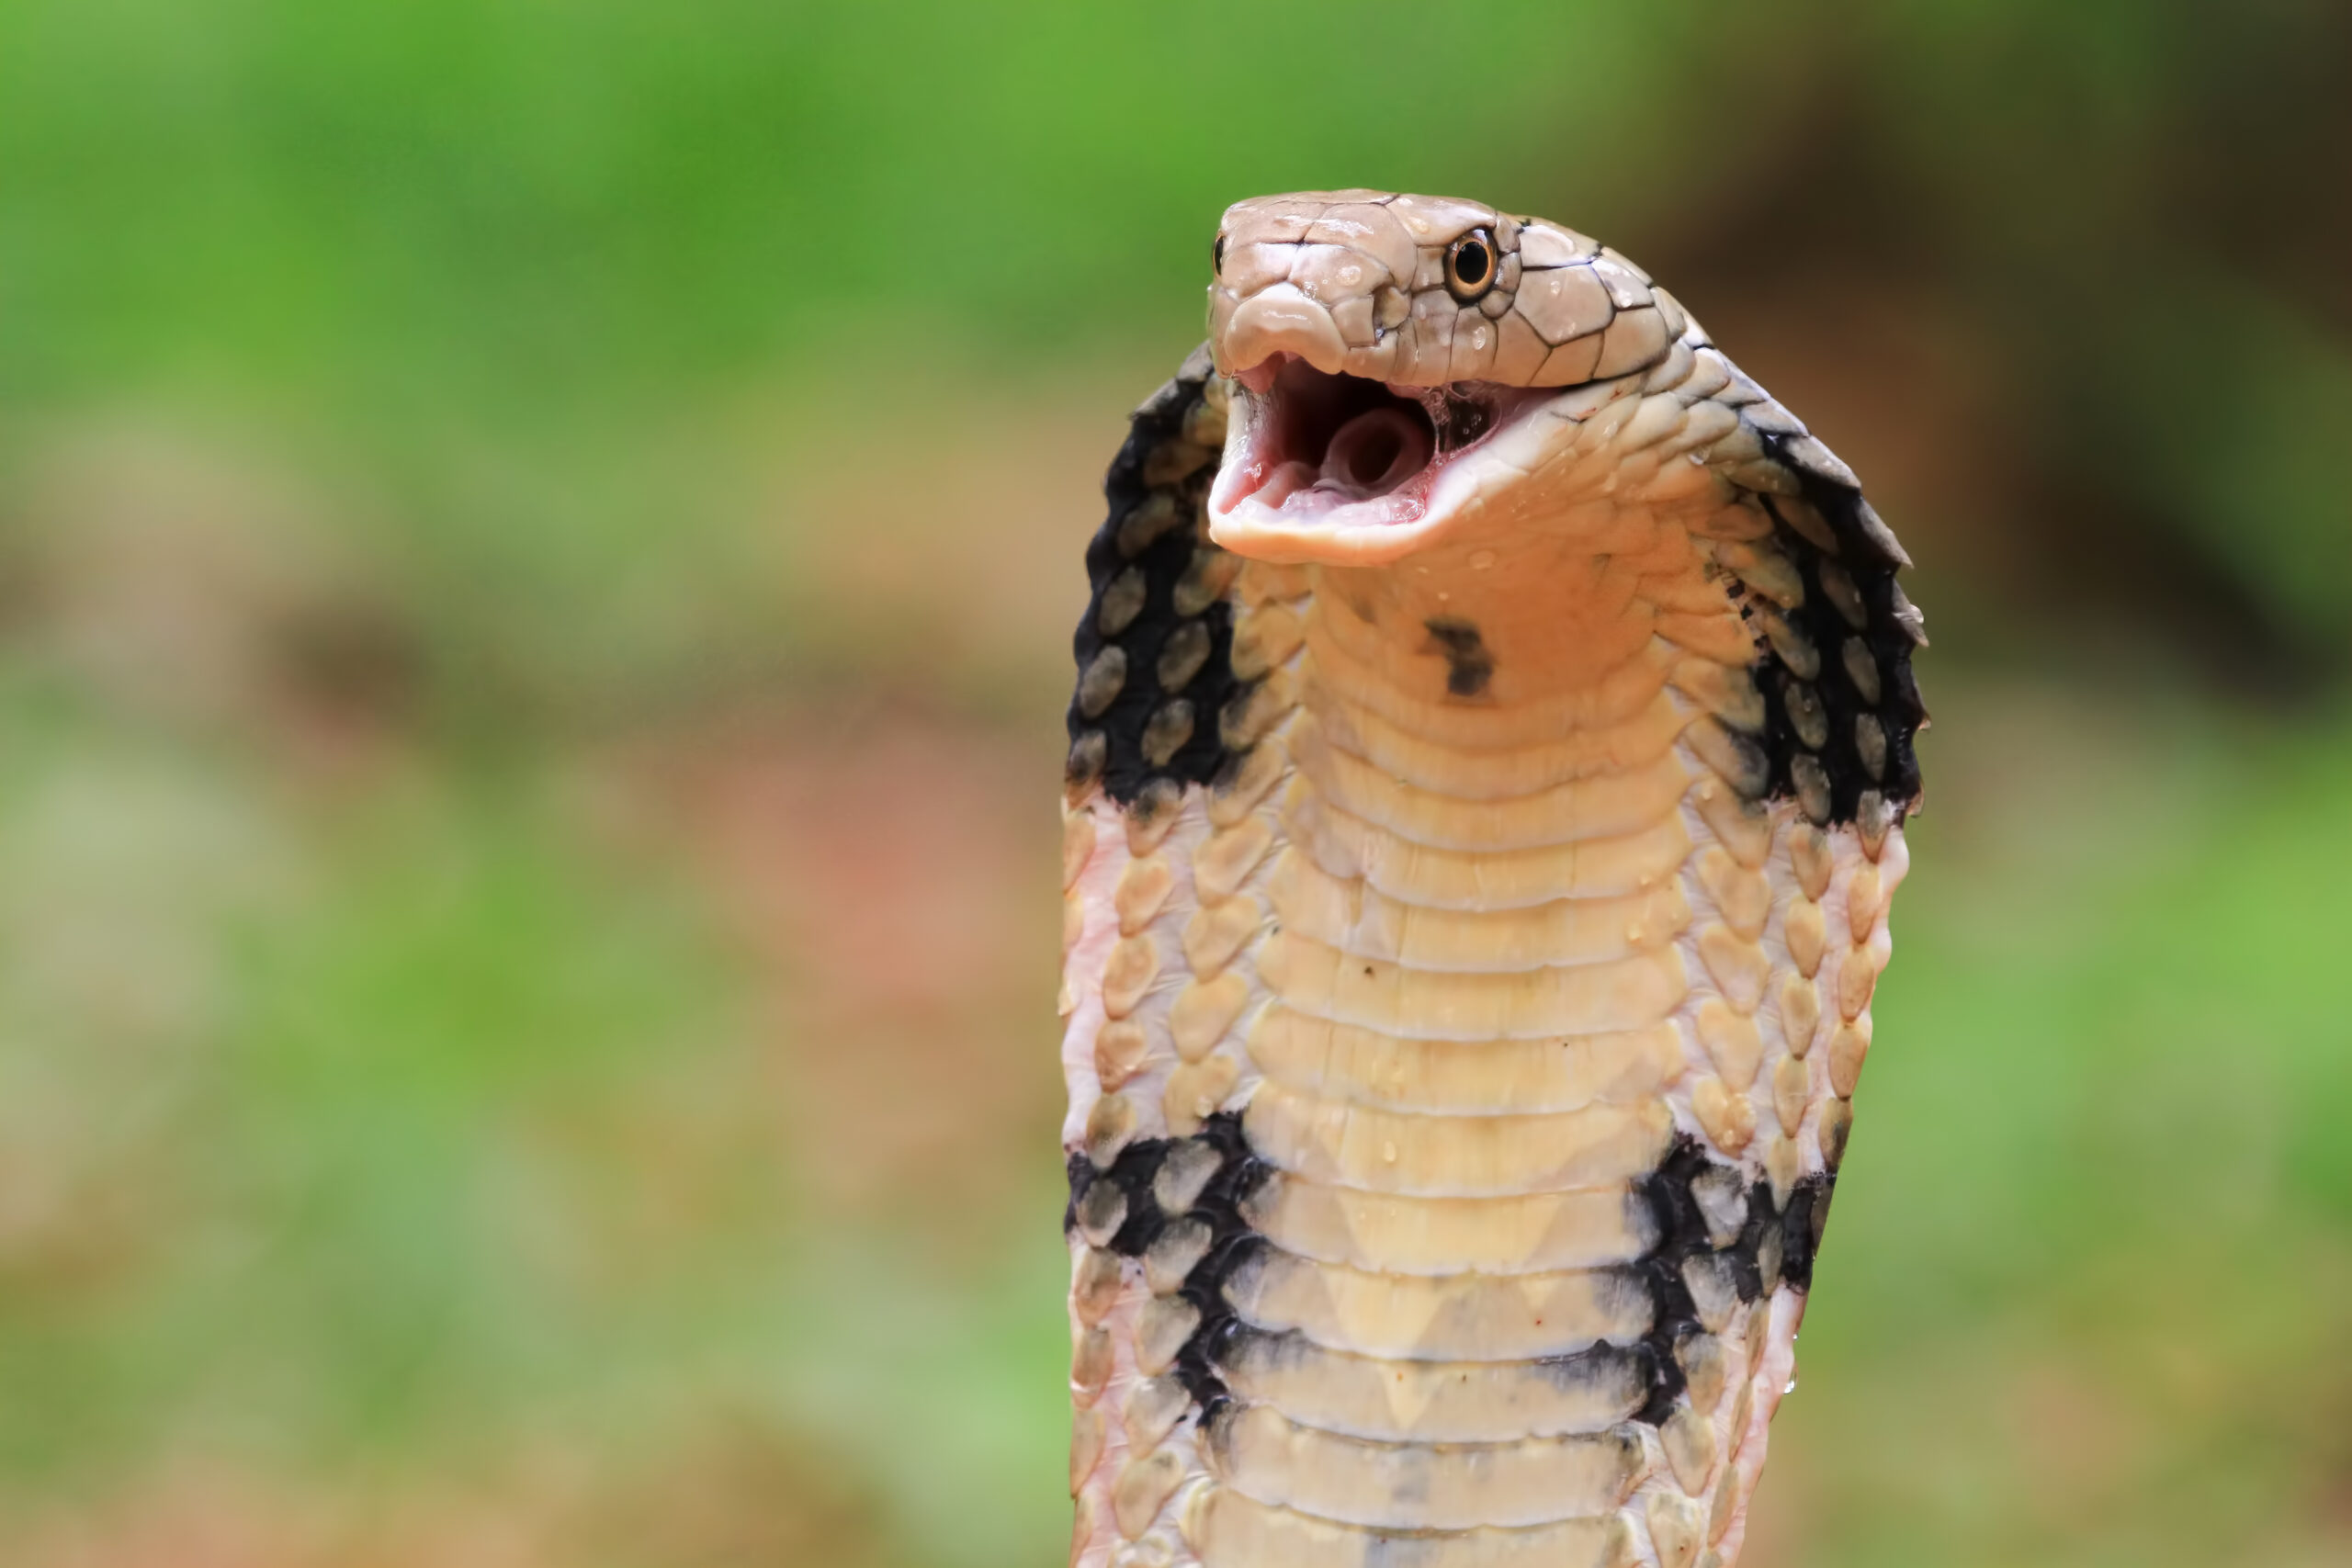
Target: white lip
x,y
1369,532
1273,505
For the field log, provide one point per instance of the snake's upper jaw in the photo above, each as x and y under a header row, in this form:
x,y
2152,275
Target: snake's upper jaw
x,y
1338,469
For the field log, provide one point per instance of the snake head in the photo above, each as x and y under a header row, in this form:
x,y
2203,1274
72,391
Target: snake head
x,y
1389,355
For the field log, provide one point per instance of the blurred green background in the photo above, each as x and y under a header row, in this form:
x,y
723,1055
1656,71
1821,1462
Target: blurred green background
x,y
536,542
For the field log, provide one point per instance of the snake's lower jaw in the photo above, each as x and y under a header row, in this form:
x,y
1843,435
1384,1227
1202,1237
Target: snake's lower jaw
x,y
1337,470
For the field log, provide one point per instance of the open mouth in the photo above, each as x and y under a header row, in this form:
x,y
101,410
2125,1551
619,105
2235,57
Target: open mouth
x,y
1325,452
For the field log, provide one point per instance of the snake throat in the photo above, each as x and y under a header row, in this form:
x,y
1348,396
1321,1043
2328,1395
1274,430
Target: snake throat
x,y
1493,732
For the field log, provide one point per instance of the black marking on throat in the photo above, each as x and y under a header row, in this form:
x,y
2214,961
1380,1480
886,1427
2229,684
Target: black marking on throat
x,y
1742,1242
1469,663
1714,1226
1236,1176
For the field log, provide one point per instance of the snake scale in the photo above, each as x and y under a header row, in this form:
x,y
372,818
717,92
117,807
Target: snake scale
x,y
1492,737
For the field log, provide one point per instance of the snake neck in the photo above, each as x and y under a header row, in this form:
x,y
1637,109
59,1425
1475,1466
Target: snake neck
x,y
1477,893
1461,1033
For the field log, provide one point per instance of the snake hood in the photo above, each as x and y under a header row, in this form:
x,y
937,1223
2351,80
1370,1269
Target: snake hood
x,y
1491,741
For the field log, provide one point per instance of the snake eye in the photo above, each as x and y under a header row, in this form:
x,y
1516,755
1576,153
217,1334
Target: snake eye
x,y
1216,256
1470,265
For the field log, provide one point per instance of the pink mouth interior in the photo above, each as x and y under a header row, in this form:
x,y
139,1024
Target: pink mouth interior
x,y
1333,449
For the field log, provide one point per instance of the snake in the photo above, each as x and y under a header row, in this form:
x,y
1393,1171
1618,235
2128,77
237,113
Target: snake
x,y
1492,737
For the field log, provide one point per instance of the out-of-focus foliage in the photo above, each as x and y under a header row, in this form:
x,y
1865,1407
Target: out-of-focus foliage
x,y
536,537
472,235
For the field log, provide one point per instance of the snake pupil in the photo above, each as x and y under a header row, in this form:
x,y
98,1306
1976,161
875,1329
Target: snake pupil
x,y
1470,265
1216,256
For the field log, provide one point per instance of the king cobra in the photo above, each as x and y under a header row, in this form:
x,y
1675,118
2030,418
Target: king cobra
x,y
1492,739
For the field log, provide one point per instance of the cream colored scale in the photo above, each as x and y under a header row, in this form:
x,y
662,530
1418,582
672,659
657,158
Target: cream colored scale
x,y
1433,1013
